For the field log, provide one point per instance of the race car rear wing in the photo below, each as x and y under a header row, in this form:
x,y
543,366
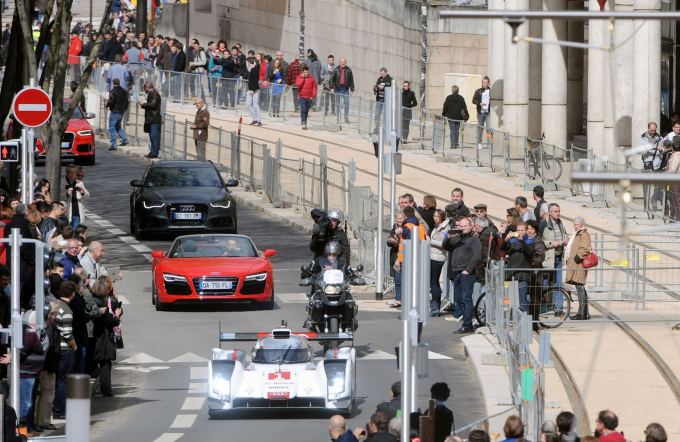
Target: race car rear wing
x,y
283,333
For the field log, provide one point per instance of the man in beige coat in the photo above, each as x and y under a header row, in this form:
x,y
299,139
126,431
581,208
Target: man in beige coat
x,y
200,127
578,248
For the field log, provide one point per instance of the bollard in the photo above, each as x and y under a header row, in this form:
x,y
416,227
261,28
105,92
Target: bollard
x,y
78,408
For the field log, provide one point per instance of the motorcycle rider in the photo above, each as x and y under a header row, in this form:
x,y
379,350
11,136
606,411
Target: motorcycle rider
x,y
331,258
329,228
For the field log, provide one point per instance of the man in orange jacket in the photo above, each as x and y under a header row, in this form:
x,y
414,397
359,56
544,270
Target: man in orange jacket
x,y
306,85
75,48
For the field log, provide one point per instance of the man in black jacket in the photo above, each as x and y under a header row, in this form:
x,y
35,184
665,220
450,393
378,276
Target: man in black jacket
x,y
253,95
408,102
330,230
457,209
343,83
482,99
465,252
231,68
384,81
455,110
26,254
110,48
152,118
118,104
391,407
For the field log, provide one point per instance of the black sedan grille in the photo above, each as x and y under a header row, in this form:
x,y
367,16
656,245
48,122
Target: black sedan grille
x,y
68,137
178,210
216,292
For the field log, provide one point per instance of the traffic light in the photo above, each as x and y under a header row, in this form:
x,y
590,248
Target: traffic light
x,y
9,151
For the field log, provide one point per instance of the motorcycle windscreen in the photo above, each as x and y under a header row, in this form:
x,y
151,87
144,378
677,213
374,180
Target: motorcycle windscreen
x,y
333,277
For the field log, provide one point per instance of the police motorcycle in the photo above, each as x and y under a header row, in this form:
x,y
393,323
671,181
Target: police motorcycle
x,y
331,307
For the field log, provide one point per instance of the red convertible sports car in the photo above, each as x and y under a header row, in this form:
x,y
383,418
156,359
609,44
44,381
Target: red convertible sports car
x,y
212,268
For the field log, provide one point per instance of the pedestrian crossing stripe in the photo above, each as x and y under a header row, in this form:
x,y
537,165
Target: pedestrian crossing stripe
x,y
141,358
188,357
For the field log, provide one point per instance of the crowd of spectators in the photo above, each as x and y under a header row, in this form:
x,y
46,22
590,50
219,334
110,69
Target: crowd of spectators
x,y
82,312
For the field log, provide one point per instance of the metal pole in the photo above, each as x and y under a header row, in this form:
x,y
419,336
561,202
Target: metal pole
x,y
406,376
379,269
423,60
187,27
566,15
17,332
394,109
31,163
24,169
141,16
78,408
412,312
100,23
301,45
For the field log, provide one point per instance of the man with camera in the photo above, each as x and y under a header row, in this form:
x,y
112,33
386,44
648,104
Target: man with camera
x,y
465,253
327,227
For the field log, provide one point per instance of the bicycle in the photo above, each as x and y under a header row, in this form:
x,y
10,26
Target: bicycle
x,y
536,156
548,315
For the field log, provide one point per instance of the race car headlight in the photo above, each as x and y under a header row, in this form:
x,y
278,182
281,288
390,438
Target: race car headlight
x,y
153,204
169,277
84,133
222,204
336,384
221,386
331,290
257,277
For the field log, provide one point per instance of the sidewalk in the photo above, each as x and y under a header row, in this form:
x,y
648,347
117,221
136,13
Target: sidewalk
x,y
609,369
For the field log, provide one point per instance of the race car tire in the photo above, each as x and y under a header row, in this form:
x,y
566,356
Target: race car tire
x,y
160,306
89,161
333,325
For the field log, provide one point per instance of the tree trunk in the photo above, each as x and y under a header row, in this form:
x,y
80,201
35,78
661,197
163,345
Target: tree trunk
x,y
25,10
61,115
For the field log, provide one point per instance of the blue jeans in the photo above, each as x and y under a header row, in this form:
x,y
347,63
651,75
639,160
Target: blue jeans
x,y
462,289
305,105
155,137
345,99
67,360
397,285
116,129
558,299
523,295
75,221
454,128
25,396
81,359
435,287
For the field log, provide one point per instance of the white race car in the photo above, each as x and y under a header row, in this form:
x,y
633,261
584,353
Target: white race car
x,y
282,373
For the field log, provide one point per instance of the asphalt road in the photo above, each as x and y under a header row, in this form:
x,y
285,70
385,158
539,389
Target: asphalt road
x,y
160,376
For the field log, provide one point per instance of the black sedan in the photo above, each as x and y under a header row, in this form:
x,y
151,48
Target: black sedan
x,y
179,197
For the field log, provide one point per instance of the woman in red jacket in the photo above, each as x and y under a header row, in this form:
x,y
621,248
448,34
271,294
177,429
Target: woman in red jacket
x,y
75,48
5,214
306,86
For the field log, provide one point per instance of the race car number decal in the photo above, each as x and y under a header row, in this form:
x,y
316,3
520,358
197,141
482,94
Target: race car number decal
x,y
273,395
279,375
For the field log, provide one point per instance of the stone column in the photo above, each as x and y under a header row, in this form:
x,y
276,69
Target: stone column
x,y
516,81
646,70
496,49
597,36
574,75
619,83
554,88
535,73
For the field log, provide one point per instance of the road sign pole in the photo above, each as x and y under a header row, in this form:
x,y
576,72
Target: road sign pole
x,y
24,166
17,332
30,136
379,265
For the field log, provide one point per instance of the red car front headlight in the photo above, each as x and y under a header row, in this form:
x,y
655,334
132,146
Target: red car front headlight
x,y
85,133
257,277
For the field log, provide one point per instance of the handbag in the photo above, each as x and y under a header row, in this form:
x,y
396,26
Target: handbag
x,y
117,332
590,260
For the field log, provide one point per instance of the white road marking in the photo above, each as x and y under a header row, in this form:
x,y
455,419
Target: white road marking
x,y
141,369
92,215
198,388
189,357
378,355
293,298
148,257
128,239
140,247
169,437
105,223
432,355
193,403
184,421
199,372
142,358
116,231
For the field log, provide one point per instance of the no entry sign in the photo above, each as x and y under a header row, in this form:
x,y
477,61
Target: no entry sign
x,y
32,107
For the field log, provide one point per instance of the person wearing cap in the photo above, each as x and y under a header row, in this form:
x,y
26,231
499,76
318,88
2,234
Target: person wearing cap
x,y
673,167
332,231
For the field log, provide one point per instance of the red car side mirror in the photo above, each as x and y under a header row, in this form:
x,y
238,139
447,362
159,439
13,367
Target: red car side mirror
x,y
269,253
158,254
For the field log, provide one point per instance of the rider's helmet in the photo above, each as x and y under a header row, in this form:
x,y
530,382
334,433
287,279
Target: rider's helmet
x,y
332,248
336,214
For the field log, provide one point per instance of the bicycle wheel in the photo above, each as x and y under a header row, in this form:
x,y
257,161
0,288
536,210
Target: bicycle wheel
x,y
552,168
480,310
549,316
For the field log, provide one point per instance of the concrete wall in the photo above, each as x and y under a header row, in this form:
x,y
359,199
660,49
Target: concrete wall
x,y
369,33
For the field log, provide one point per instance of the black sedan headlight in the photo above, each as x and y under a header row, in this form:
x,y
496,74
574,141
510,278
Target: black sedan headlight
x,y
222,204
153,204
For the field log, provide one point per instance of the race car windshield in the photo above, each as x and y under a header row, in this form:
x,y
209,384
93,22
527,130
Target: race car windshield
x,y
183,177
281,351
213,247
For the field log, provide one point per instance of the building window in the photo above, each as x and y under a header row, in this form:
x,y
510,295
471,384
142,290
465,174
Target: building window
x,y
203,6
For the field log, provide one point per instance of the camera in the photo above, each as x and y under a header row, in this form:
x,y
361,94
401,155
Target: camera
x,y
455,232
321,227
